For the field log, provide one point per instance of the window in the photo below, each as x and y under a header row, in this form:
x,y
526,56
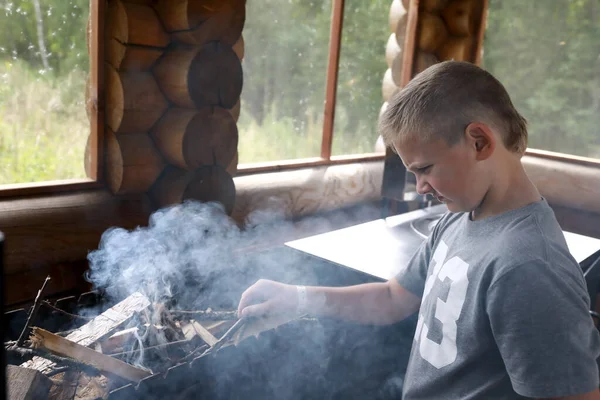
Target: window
x,y
287,54
547,54
44,67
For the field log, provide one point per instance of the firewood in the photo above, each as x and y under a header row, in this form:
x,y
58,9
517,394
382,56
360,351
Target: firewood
x,y
118,340
63,347
193,328
100,327
92,387
26,384
64,385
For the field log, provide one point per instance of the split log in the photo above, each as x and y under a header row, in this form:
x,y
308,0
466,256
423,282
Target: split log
x,y
424,60
55,344
193,328
26,384
223,22
458,17
98,328
239,47
129,57
189,139
137,24
397,11
388,87
134,101
432,32
209,75
392,49
206,184
397,66
132,162
456,48
235,110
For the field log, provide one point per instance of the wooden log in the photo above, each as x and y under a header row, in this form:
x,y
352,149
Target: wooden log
x,y
239,47
191,138
208,75
388,87
224,23
458,16
401,30
235,110
397,66
456,48
397,11
132,162
424,60
392,49
97,329
26,384
134,101
432,6
130,57
42,339
206,184
138,24
432,32
185,15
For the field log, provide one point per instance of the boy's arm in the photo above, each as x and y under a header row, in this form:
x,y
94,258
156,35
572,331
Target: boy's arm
x,y
371,303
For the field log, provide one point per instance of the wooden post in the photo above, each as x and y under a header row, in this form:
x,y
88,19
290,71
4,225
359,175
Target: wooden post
x,y
207,75
134,101
189,139
133,162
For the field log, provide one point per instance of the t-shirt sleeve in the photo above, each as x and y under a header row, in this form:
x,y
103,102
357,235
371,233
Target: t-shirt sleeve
x,y
539,315
413,276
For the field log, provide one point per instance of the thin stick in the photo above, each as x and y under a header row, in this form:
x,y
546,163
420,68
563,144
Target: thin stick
x,y
33,313
207,315
74,316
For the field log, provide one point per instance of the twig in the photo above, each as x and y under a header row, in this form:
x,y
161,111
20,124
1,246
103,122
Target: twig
x,y
74,316
66,361
158,346
33,313
207,315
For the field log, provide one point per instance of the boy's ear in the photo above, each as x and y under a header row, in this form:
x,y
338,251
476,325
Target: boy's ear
x,y
480,138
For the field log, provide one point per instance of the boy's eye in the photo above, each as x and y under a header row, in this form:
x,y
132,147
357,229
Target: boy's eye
x,y
425,169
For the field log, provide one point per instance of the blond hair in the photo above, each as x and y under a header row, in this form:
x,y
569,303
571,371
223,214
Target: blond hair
x,y
444,99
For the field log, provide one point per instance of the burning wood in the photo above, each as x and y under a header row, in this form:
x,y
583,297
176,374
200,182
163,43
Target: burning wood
x,y
193,328
63,347
98,328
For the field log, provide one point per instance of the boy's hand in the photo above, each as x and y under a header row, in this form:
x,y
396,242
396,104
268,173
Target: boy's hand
x,y
268,298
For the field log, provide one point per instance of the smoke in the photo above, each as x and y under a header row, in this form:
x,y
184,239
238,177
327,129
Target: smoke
x,y
194,256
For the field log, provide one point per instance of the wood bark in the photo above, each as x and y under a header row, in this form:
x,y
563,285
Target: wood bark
x,y
132,162
55,344
138,24
98,328
207,75
134,101
224,23
206,184
191,138
432,32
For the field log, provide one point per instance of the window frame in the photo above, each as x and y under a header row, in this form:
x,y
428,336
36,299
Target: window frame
x,y
97,96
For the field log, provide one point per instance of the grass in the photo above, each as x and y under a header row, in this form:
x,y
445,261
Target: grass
x,y
43,125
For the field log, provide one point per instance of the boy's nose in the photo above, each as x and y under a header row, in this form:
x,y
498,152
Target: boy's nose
x,y
423,187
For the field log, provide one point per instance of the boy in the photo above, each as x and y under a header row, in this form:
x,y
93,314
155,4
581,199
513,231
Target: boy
x,y
503,307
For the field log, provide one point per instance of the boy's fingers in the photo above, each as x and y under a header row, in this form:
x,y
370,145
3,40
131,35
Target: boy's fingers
x,y
257,310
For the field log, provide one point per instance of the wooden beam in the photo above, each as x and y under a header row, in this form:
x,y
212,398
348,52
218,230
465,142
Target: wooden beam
x,y
42,339
335,43
99,328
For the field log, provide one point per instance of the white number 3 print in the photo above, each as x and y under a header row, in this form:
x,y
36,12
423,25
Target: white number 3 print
x,y
448,312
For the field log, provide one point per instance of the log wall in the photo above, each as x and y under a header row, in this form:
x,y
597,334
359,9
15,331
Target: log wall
x,y
174,77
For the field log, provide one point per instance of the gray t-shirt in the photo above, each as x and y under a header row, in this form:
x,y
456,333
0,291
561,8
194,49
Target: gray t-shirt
x,y
504,311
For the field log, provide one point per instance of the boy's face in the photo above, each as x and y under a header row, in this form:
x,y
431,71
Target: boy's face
x,y
450,173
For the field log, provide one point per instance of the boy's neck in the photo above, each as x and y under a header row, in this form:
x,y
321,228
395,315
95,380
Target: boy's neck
x,y
509,191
